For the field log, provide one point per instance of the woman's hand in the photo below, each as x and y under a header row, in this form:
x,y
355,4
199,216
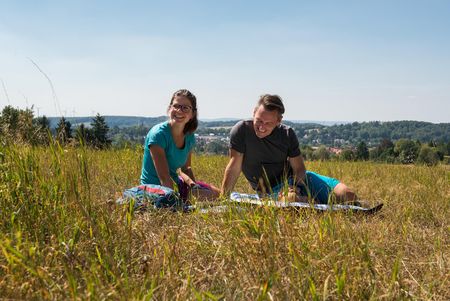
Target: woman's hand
x,y
194,185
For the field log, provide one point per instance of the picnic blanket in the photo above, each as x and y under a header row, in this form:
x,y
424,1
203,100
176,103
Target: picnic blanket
x,y
255,200
149,196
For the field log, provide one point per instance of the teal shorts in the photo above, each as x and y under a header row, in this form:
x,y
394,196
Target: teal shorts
x,y
317,187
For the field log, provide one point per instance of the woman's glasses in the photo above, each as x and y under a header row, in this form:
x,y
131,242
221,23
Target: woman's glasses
x,y
183,108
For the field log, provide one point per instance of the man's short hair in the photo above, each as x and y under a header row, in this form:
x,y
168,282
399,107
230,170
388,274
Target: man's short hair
x,y
271,103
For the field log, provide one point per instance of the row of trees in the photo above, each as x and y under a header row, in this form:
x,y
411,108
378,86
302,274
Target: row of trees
x,y
403,151
20,126
372,133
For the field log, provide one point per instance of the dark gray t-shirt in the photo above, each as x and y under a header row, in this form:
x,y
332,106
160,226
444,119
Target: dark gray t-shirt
x,y
266,156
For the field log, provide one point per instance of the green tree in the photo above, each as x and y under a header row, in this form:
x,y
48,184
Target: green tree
x,y
18,125
407,150
321,153
42,125
383,152
428,155
347,155
307,152
362,152
63,131
26,131
441,149
9,122
99,130
83,135
216,147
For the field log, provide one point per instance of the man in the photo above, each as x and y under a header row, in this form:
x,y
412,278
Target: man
x,y
268,154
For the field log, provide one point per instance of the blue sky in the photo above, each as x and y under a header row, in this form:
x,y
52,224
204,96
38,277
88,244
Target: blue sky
x,y
328,60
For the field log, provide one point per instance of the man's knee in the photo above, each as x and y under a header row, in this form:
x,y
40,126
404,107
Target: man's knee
x,y
343,192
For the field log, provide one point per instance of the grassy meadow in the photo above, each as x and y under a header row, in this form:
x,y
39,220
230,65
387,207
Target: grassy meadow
x,y
63,237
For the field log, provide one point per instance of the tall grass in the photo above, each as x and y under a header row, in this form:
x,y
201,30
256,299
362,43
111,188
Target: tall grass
x,y
62,236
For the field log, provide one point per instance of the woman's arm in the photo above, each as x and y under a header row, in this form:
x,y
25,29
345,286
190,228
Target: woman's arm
x,y
186,172
161,165
232,171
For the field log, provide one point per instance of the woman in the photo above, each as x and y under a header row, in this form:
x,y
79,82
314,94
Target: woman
x,y
168,149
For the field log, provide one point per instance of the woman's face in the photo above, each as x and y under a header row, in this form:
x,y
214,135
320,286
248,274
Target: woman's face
x,y
180,111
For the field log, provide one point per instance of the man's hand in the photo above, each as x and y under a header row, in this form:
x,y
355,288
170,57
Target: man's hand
x,y
289,197
293,195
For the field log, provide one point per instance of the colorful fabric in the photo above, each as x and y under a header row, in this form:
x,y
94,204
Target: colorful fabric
x,y
146,195
158,196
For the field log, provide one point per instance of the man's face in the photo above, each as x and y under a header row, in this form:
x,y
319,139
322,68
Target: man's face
x,y
264,122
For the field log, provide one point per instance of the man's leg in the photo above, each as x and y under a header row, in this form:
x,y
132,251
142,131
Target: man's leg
x,y
318,187
344,194
324,189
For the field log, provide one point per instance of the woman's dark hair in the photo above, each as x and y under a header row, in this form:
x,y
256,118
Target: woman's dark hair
x,y
271,103
192,124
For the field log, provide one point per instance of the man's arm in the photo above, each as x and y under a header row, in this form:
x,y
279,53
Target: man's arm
x,y
298,168
299,173
232,172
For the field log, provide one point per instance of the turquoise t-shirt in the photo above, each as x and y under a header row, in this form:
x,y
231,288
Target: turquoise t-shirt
x,y
161,135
